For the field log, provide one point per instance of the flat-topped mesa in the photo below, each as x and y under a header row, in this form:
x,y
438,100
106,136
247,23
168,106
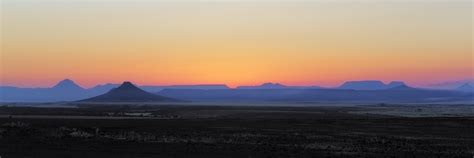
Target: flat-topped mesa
x,y
128,92
371,85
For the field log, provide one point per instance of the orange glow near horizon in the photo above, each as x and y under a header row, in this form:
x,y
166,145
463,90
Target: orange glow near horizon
x,y
311,42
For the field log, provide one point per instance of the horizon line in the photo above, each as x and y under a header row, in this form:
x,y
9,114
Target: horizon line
x,y
460,81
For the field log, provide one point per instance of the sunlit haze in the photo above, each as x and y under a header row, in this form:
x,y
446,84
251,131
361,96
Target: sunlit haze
x,y
235,42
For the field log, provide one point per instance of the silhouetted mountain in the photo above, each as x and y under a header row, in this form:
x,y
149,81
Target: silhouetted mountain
x,y
397,94
65,90
370,85
465,88
233,95
127,92
395,84
67,85
363,85
267,85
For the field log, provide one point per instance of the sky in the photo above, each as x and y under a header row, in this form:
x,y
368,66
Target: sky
x,y
235,42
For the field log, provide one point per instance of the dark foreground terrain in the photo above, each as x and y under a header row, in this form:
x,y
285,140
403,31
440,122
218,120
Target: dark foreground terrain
x,y
235,131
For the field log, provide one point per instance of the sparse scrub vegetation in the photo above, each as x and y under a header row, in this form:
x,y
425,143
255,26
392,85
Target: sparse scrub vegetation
x,y
241,134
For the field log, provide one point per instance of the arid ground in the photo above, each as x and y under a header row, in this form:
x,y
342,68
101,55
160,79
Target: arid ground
x,y
123,131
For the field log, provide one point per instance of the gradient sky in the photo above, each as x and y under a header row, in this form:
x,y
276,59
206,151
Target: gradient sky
x,y
235,42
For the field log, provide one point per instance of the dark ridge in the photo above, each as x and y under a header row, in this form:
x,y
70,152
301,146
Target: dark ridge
x,y
127,92
403,87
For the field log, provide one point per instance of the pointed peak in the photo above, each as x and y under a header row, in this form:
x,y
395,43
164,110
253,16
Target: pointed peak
x,y
128,92
127,85
67,84
66,81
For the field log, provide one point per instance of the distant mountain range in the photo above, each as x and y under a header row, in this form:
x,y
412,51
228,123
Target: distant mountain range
x,y
66,90
107,87
401,93
450,84
371,90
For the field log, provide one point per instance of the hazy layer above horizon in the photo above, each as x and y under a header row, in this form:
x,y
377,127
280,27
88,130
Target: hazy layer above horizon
x,y
236,42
